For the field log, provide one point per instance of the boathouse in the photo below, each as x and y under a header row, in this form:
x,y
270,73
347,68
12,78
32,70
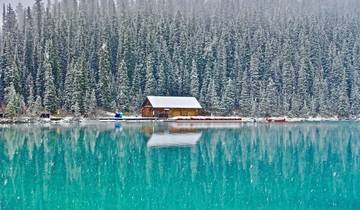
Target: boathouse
x,y
165,106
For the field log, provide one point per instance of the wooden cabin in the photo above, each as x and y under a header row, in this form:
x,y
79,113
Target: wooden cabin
x,y
165,106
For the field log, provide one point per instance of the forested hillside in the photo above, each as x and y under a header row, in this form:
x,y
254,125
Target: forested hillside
x,y
249,57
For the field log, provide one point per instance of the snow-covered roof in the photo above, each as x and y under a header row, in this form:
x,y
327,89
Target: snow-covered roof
x,y
173,140
174,102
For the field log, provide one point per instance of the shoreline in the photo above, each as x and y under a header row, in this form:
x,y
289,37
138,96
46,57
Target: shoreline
x,y
210,119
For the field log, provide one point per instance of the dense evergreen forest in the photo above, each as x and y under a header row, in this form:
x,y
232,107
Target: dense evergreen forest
x,y
247,57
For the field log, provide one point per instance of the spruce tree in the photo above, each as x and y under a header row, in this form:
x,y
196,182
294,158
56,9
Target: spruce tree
x,y
245,96
355,95
317,89
214,101
255,72
355,106
2,85
344,104
37,108
40,80
76,110
287,87
150,82
194,80
162,81
30,93
69,86
13,104
50,99
91,103
271,99
123,89
228,100
324,109
105,77
28,67
79,85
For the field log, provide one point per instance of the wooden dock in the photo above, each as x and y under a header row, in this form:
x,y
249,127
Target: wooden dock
x,y
131,119
178,119
209,119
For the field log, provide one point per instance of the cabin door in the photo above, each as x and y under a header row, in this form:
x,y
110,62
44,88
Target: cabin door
x,y
166,113
163,113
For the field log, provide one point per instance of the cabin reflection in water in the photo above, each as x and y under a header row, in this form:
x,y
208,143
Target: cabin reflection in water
x,y
172,136
173,139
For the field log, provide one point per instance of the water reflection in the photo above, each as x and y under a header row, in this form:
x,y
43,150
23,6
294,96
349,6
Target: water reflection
x,y
174,140
173,135
294,166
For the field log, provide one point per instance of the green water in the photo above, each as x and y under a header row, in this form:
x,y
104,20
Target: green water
x,y
181,166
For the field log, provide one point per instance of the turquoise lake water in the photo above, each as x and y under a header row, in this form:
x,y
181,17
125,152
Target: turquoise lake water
x,y
180,166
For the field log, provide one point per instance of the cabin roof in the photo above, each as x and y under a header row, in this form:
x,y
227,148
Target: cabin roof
x,y
174,102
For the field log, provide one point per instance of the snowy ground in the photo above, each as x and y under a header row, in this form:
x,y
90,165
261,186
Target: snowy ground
x,y
263,119
235,119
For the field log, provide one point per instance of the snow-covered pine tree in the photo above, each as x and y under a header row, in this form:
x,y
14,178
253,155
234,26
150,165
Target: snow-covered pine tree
x,y
228,100
77,92
30,93
50,99
2,85
76,110
317,89
105,77
69,87
150,82
37,108
355,106
343,105
355,88
205,85
335,82
246,96
162,81
28,65
13,105
271,99
355,95
214,100
123,90
136,85
255,72
91,103
194,80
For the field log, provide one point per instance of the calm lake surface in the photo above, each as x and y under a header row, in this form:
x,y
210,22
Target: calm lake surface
x,y
180,166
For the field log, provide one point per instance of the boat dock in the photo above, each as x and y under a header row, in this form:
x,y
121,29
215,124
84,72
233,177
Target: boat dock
x,y
132,119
